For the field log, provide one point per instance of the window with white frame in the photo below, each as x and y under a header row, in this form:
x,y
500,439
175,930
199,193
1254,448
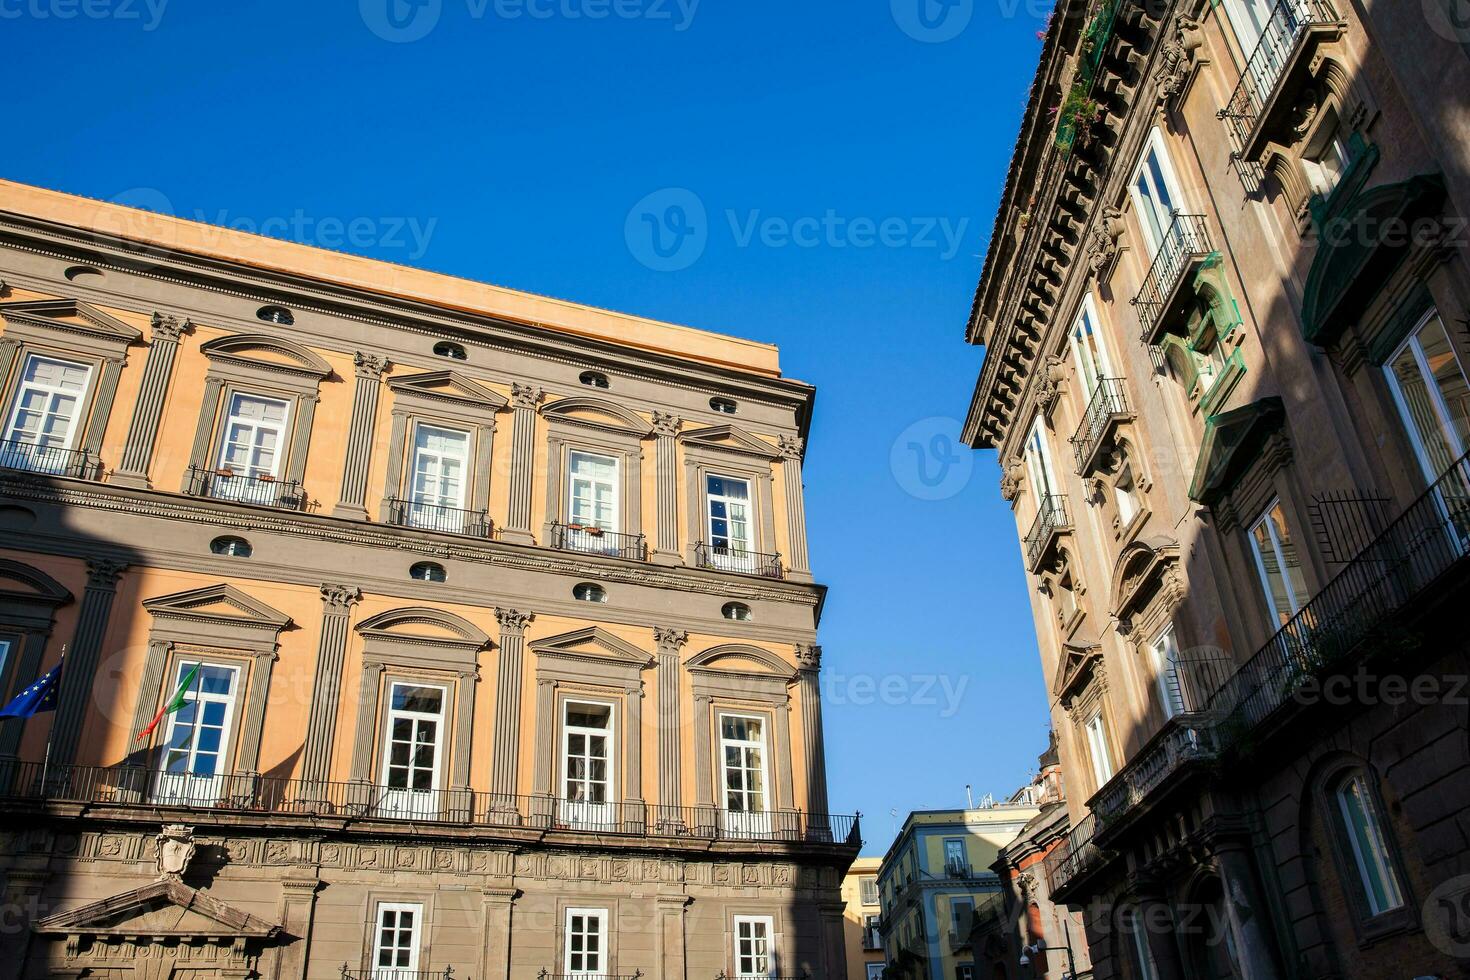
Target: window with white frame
x,y
1328,156
1097,748
1433,396
1165,652
587,764
1089,354
1278,564
440,462
1125,495
1155,193
875,970
586,942
964,971
754,946
254,433
731,535
743,747
1249,20
1038,462
956,863
412,755
45,414
396,944
1143,957
1368,845
198,732
593,490
872,933
5,658
868,889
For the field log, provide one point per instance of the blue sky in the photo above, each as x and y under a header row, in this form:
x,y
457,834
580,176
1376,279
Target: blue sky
x,y
822,175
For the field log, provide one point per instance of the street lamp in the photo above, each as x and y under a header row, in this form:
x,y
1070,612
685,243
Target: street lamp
x,y
1038,948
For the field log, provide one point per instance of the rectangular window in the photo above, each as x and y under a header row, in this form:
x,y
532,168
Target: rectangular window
x,y
437,487
1155,194
586,945
5,658
875,970
1125,495
1097,747
1088,352
593,492
964,971
1143,957
396,946
1165,651
1277,563
868,889
411,758
198,734
254,432
1249,19
587,769
956,864
961,917
44,415
731,536
743,751
754,952
1328,157
872,934
1369,848
1038,462
1433,396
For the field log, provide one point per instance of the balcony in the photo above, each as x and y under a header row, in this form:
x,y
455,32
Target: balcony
x,y
598,541
433,517
548,975
1108,406
1163,298
724,558
1186,740
49,460
1067,863
1274,68
262,491
395,973
1053,519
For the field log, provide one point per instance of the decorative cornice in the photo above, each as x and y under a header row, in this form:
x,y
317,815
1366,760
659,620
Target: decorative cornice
x,y
340,598
513,622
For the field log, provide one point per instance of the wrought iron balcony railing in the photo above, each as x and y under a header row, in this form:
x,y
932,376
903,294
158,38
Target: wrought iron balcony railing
x,y
1077,854
598,541
1186,244
548,975
726,558
263,491
434,517
1291,22
1108,404
49,460
1052,518
395,973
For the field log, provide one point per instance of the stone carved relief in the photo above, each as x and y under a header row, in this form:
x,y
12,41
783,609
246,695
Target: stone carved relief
x,y
1178,59
1103,246
176,848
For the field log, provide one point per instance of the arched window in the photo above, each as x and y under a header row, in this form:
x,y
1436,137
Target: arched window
x,y
1365,843
723,405
452,351
275,314
232,546
595,379
737,611
427,571
589,592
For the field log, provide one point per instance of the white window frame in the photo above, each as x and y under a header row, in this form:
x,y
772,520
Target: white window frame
x,y
1143,955
1096,728
1087,327
755,822
1243,16
612,484
407,800
1038,463
4,657
1164,651
280,429
875,971
864,882
736,554
1297,602
1154,240
1380,857
74,427
588,915
1454,442
585,812
439,499
416,934
951,864
964,971
184,786
755,922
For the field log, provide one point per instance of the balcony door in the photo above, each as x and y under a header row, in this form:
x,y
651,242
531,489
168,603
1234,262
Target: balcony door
x,y
250,451
587,771
412,756
592,508
45,415
1249,19
437,493
743,749
1155,193
1038,464
198,736
1433,397
731,537
1089,354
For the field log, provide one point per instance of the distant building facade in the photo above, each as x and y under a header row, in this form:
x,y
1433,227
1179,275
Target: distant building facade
x,y
863,919
1224,317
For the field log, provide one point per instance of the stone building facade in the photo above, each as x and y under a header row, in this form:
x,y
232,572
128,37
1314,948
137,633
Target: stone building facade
x,y
489,616
1224,316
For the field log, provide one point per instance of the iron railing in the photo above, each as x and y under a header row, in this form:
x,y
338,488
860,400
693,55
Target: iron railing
x,y
49,460
264,491
129,785
1185,739
598,541
1078,853
1186,240
764,976
1108,403
1290,21
725,558
1052,517
435,517
394,973
547,975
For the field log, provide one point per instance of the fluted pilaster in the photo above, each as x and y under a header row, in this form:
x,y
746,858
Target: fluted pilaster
x,y
523,399
508,674
82,658
809,660
352,502
792,450
326,692
666,459
158,372
669,642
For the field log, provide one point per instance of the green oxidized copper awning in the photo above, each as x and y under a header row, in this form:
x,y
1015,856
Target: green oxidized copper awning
x,y
1232,442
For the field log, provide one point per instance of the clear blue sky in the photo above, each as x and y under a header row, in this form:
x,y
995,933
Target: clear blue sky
x,y
514,141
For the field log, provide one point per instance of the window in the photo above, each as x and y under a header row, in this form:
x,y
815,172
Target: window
x,y
587,764
1155,194
1278,565
593,492
411,757
589,592
231,546
1327,158
250,449
875,970
1143,957
731,537
275,314
754,955
594,379
1097,746
440,459
1363,828
1088,352
396,952
452,351
737,611
964,971
961,917
872,932
4,658
198,733
1165,652
1249,19
956,863
868,889
1038,463
44,415
1433,398
1125,496
723,405
743,749
586,949
427,571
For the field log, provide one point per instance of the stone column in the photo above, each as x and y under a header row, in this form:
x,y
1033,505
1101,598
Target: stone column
x,y
704,780
499,907
1247,915
809,660
102,407
792,449
9,347
669,642
508,685
82,658
666,458
788,821
1156,919
670,912
523,400
158,371
326,691
298,915
352,502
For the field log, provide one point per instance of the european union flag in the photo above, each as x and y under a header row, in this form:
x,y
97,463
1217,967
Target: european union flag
x,y
40,696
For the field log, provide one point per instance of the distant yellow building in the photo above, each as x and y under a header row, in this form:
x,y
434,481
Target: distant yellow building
x,y
930,883
860,920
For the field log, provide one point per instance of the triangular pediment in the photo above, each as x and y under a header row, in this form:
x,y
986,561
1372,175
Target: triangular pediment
x,y
596,413
166,909
70,316
1078,662
449,386
731,439
22,582
592,643
221,603
268,353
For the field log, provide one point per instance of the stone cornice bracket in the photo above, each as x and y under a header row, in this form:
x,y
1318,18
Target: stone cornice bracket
x,y
1103,248
792,447
1011,476
103,573
1179,60
369,366
165,326
525,396
340,598
670,639
666,426
809,656
513,622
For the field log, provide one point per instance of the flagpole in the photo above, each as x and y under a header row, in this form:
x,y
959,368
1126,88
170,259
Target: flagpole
x,y
198,720
51,732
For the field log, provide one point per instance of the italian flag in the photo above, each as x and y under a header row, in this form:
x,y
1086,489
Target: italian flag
x,y
172,704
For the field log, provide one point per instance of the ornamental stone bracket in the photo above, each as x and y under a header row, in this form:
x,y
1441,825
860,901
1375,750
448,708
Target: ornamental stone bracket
x,y
1103,245
1180,64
